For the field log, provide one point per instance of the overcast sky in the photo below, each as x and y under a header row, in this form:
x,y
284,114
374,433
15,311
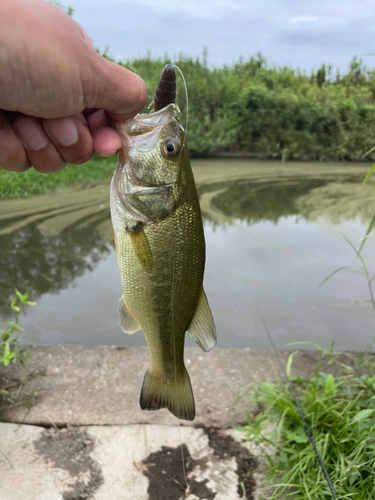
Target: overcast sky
x,y
288,32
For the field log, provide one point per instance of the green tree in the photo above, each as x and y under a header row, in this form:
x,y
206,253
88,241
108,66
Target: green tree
x,y
69,10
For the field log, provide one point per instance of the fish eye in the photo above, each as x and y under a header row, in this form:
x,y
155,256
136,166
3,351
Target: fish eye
x,y
170,148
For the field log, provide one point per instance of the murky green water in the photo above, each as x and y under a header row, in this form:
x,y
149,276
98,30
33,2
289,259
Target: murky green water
x,y
273,233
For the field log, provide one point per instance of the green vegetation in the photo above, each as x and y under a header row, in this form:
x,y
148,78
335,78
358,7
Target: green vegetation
x,y
273,111
248,107
10,348
340,411
11,351
16,185
276,112
69,10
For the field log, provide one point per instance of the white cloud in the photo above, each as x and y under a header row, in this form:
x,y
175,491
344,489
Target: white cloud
x,y
303,19
198,8
303,34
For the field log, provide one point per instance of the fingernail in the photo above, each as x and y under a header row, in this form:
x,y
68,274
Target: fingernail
x,y
63,130
31,134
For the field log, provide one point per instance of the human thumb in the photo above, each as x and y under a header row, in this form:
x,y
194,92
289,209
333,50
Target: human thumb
x,y
120,92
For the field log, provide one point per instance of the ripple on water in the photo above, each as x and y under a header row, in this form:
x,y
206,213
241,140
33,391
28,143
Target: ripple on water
x,y
273,232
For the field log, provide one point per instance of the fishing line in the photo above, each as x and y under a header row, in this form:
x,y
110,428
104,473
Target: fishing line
x,y
173,278
296,400
187,113
175,376
187,101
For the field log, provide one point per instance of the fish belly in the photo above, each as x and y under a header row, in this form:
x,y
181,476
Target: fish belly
x,y
163,298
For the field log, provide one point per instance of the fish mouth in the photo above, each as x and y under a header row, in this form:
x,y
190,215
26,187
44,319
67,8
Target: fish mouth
x,y
142,135
147,122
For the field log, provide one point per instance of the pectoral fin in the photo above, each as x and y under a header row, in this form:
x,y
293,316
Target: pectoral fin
x,y
114,239
127,321
202,327
142,250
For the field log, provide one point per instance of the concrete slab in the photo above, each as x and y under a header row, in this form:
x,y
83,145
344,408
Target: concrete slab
x,y
100,385
142,462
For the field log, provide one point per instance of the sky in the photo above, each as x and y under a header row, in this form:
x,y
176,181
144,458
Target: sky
x,y
297,33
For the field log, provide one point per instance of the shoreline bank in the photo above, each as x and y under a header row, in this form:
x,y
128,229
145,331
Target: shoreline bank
x,y
100,385
85,422
14,185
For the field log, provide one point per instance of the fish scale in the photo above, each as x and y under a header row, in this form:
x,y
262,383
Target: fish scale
x,y
161,254
150,296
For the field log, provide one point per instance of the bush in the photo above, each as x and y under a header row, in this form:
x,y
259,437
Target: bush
x,y
340,412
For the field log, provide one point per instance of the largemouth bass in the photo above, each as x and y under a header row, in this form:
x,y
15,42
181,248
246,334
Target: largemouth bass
x,y
161,249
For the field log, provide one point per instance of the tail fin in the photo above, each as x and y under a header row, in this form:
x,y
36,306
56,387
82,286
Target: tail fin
x,y
177,395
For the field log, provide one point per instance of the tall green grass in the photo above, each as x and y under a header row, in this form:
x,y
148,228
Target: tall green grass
x,y
25,184
277,112
251,106
340,411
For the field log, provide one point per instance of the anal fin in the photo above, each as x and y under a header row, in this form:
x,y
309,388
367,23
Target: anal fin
x,y
202,327
128,322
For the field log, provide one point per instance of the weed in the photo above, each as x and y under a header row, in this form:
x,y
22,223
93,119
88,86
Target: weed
x,y
11,350
31,182
340,411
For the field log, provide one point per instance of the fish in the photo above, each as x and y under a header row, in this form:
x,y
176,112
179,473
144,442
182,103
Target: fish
x,y
160,248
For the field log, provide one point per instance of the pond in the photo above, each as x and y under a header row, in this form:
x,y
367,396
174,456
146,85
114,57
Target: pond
x,y
273,231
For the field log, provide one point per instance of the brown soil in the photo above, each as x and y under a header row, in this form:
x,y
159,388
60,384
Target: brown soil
x,y
166,474
70,449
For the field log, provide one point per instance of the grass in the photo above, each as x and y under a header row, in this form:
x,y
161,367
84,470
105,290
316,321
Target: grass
x,y
11,350
29,183
340,411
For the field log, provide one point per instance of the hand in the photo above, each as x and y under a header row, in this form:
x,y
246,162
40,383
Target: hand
x,y
56,91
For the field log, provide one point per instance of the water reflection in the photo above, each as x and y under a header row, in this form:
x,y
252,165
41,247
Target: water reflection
x,y
42,250
255,200
44,263
272,231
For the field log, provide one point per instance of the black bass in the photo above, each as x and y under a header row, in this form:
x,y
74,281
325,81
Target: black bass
x,y
161,249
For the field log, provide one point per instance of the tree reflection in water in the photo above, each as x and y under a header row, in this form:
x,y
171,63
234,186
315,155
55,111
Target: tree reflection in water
x,y
255,200
47,242
40,263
